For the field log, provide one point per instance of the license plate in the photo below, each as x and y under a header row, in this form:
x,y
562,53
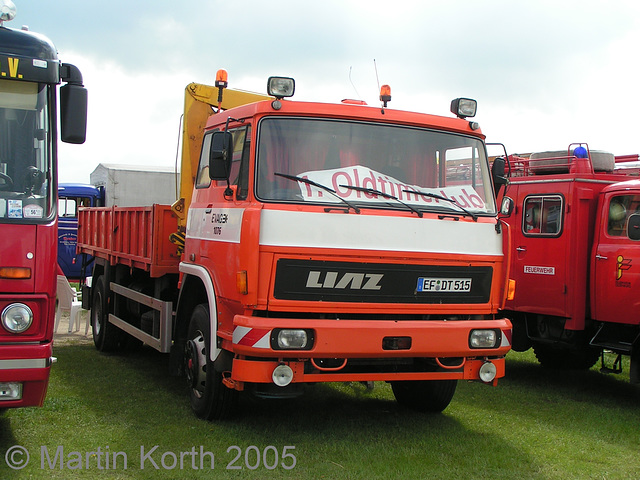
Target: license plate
x,y
427,284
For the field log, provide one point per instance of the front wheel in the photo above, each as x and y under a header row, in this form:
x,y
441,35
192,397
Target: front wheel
x,y
210,399
425,395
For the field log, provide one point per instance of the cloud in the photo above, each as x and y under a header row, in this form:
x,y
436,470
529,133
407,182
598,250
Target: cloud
x,y
545,73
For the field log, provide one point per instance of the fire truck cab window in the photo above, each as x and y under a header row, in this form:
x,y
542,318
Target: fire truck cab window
x,y
239,174
621,208
542,216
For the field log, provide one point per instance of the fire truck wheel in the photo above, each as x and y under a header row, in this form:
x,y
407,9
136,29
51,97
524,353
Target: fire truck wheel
x,y
210,399
425,396
577,358
106,337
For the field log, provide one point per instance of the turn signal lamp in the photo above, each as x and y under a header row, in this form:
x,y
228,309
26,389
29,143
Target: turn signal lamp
x,y
385,94
464,107
241,282
511,289
281,87
15,273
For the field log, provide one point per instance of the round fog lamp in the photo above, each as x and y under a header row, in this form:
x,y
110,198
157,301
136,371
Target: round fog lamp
x,y
487,372
17,317
282,375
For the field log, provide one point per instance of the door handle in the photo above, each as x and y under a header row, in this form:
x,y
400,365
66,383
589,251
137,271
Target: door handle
x,y
521,249
600,257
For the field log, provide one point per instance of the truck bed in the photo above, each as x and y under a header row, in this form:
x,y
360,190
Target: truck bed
x,y
133,236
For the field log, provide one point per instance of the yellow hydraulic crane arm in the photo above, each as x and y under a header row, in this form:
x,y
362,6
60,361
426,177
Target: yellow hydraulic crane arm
x,y
199,103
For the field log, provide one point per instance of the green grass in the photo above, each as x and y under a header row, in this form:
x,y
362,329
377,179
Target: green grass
x,y
536,424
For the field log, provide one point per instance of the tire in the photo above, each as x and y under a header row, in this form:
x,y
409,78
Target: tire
x,y
106,337
425,395
210,399
575,358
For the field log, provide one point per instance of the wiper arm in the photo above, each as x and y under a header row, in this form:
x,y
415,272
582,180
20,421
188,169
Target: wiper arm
x,y
440,197
373,191
320,186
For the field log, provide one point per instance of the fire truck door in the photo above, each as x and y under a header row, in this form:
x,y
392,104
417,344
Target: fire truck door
x,y
539,263
617,262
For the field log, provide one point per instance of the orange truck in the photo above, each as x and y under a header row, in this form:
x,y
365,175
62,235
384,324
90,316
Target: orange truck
x,y
311,243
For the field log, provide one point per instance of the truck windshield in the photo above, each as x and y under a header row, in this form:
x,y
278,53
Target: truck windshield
x,y
25,153
395,160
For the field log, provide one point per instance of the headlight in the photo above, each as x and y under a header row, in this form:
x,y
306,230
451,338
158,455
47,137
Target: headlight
x,y
17,317
484,339
291,339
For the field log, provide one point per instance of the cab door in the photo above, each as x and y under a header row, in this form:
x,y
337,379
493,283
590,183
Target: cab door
x,y
616,262
539,260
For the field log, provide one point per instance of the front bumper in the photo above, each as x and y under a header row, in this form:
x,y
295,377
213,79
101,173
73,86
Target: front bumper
x,y
28,365
439,350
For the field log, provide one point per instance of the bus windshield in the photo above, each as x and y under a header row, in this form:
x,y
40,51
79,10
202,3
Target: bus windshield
x,y
25,153
369,164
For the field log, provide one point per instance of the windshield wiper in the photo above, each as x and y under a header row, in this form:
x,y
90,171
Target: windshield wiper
x,y
440,197
373,191
320,186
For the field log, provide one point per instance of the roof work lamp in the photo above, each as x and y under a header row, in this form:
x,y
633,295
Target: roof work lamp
x,y
281,87
464,107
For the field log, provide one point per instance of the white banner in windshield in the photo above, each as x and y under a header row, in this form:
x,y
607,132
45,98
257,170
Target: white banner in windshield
x,y
364,177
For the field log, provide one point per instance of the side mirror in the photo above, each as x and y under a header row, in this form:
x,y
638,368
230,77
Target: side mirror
x,y
633,227
73,113
506,207
497,173
220,156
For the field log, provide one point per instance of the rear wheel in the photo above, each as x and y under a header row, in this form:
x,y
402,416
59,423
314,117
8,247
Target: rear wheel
x,y
575,358
425,395
210,399
106,337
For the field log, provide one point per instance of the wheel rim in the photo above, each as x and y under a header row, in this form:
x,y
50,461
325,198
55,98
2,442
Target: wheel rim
x,y
196,364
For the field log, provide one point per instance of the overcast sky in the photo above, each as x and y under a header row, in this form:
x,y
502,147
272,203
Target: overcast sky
x,y
546,73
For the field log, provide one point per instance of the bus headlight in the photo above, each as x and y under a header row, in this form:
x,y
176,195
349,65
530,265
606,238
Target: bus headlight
x,y
17,318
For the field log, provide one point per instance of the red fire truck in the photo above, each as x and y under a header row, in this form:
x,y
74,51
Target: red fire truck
x,y
312,243
29,73
575,242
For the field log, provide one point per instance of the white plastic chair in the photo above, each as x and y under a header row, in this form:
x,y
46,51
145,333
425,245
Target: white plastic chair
x,y
68,302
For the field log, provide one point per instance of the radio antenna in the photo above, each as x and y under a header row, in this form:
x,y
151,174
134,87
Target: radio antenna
x,y
375,66
352,84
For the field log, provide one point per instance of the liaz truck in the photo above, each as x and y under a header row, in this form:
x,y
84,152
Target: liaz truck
x,y
29,74
311,243
575,245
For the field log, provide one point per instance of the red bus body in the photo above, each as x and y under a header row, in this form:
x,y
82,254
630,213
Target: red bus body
x,y
28,207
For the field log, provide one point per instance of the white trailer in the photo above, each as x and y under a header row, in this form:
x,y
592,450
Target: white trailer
x,y
136,185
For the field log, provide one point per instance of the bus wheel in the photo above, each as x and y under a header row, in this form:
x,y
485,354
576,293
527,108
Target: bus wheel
x,y
424,395
106,337
210,399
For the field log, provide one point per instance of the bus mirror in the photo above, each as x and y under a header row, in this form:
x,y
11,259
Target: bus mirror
x,y
220,156
73,113
633,227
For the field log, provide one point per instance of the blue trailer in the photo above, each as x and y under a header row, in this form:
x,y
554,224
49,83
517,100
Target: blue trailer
x,y
70,197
